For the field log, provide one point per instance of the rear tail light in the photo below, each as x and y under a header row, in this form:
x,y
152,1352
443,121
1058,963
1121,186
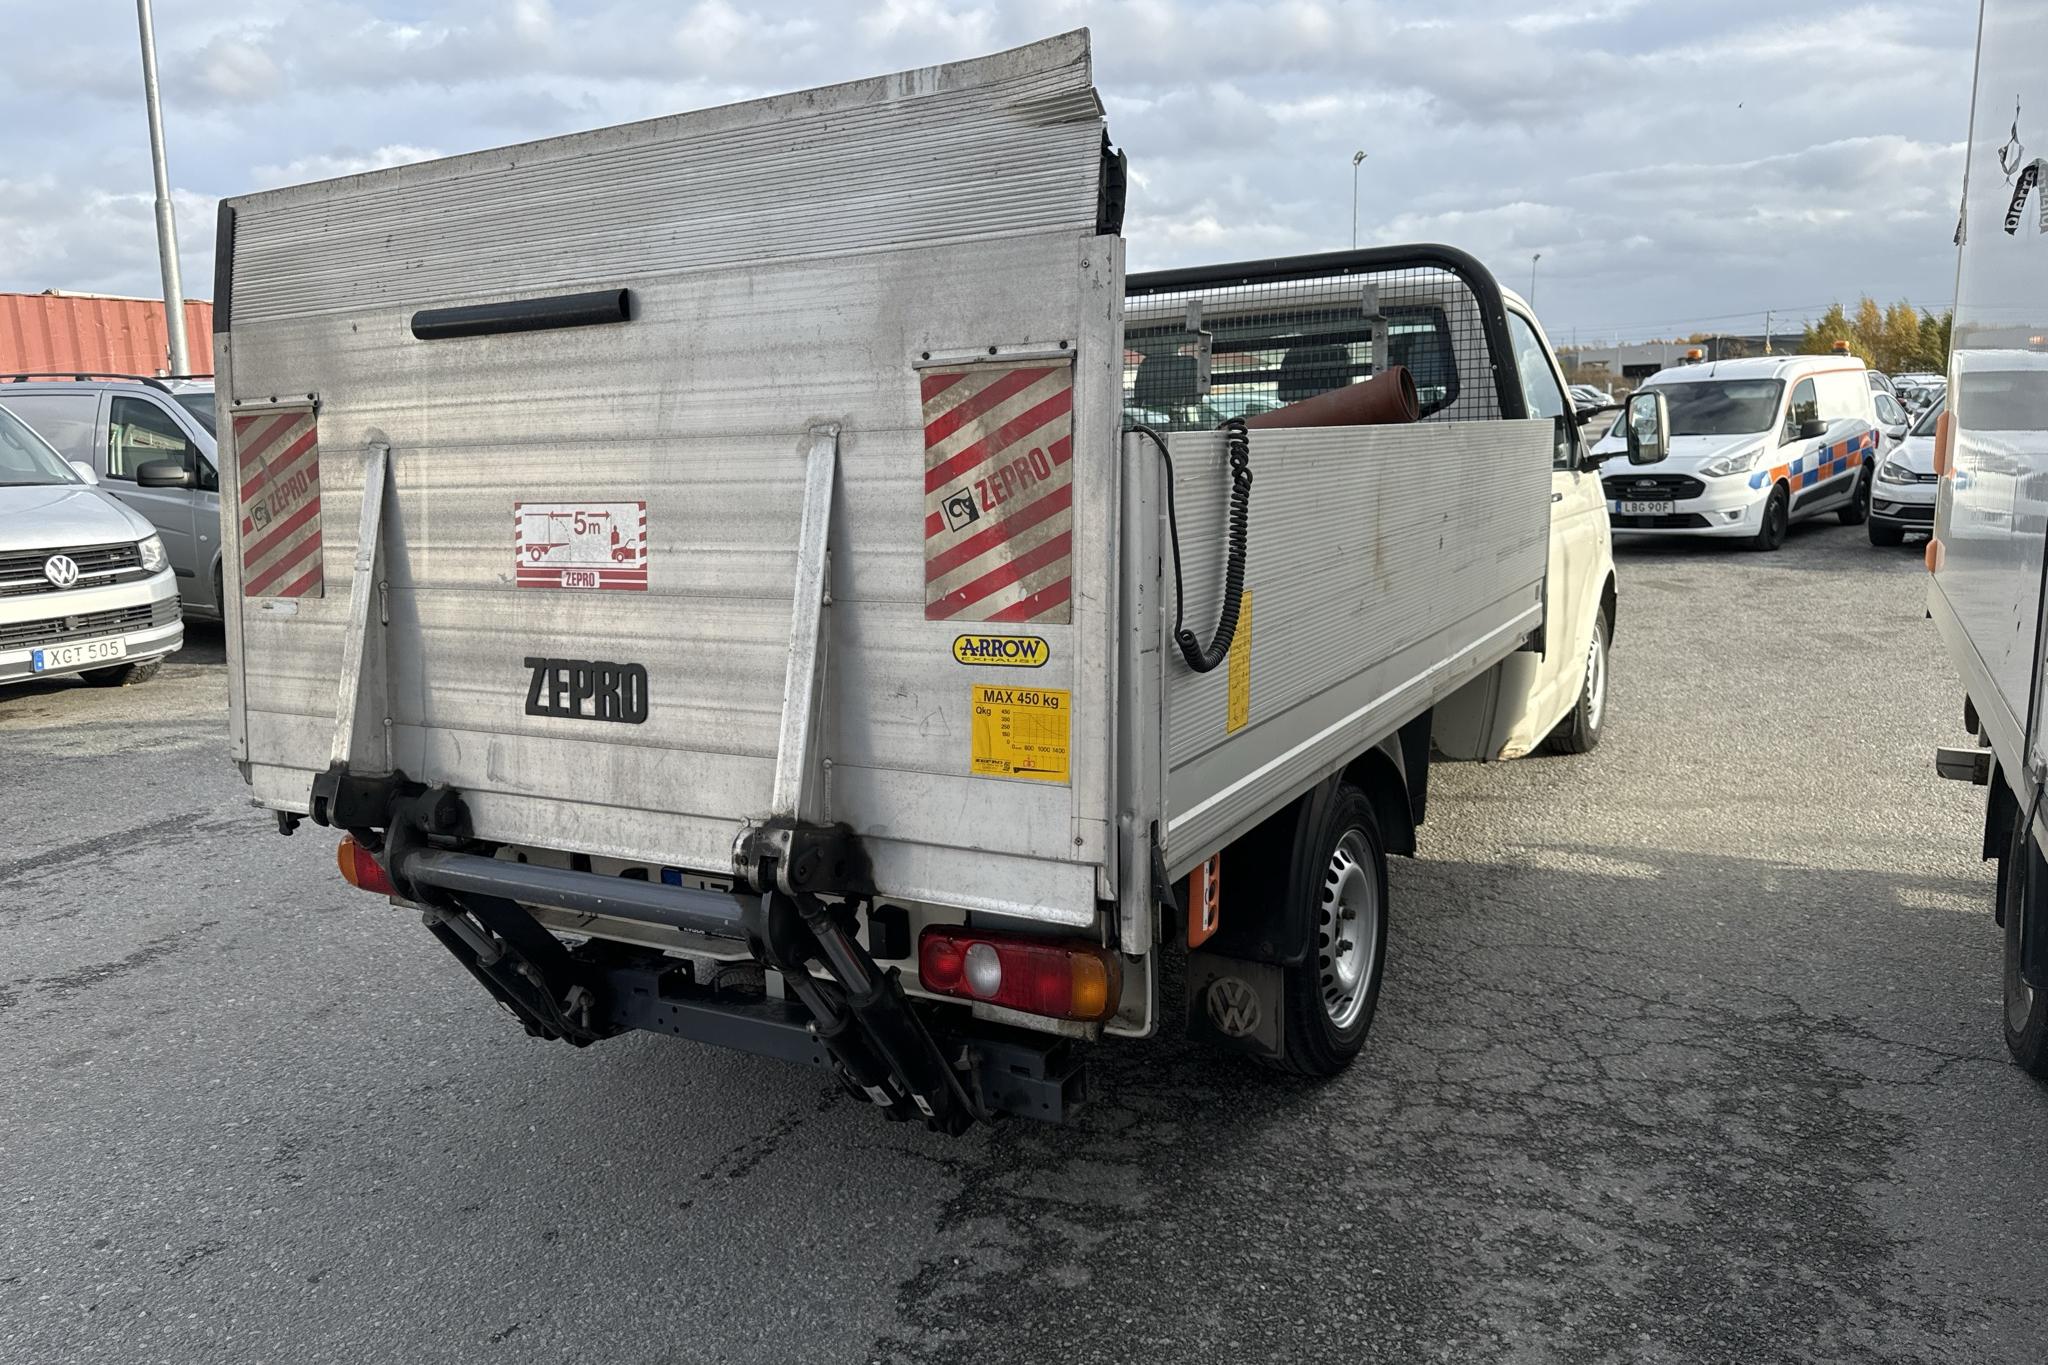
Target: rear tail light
x,y
1057,980
360,868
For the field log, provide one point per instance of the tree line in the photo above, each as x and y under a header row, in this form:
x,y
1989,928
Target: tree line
x,y
1894,339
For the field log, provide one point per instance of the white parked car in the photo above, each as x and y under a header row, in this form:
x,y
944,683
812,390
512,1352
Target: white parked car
x,y
1902,499
1756,444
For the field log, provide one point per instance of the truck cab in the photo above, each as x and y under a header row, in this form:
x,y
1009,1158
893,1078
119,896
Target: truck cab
x,y
1558,695
1272,343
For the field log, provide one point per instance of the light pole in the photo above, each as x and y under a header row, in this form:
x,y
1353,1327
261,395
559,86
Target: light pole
x,y
166,220
1357,159
1532,279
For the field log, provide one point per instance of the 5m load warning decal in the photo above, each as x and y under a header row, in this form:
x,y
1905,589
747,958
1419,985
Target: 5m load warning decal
x,y
1020,732
580,545
999,492
277,466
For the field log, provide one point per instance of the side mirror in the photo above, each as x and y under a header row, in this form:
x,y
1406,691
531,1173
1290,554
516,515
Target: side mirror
x,y
1649,428
1813,427
164,474
84,471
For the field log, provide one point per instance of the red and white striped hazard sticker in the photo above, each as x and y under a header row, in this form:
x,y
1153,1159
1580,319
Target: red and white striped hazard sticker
x,y
277,459
999,492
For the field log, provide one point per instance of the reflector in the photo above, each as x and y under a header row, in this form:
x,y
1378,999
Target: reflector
x,y
360,868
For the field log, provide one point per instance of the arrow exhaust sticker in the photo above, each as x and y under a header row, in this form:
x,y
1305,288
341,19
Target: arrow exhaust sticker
x,y
999,492
277,461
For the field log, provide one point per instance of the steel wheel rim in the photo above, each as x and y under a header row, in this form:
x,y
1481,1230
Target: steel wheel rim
x,y
1596,679
1347,930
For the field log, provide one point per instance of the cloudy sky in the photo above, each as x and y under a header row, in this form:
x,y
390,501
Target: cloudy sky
x,y
1680,166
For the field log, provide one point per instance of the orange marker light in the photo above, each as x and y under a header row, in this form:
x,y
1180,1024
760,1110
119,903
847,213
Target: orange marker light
x,y
1205,901
1936,556
1944,446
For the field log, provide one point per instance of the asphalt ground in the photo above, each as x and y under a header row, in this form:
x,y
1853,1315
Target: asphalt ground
x,y
1688,1051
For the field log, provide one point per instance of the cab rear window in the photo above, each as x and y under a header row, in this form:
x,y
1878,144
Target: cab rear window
x,y
1264,361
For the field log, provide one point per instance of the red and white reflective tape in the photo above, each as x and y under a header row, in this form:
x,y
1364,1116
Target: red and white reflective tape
x,y
277,464
999,492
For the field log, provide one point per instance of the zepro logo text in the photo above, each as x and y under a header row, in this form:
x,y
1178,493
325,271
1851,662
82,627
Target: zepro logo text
x,y
587,689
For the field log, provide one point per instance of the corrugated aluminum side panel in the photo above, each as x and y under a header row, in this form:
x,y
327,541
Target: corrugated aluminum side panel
x,y
1387,566
1002,146
699,406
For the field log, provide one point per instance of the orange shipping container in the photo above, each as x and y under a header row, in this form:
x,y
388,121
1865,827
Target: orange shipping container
x,y
56,332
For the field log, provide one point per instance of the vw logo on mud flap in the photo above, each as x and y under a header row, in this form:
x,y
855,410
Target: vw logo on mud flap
x,y
1233,1007
61,570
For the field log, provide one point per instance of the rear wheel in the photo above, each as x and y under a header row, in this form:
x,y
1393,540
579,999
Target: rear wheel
x,y
1885,533
2026,1009
1579,731
1777,516
1331,995
1859,502
124,675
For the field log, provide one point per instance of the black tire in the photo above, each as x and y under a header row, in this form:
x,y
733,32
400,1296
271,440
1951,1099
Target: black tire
x,y
1886,534
1777,516
124,675
1579,731
2024,1010
1327,1011
1859,502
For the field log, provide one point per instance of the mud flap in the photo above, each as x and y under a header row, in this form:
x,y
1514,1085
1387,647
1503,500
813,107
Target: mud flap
x,y
1236,1004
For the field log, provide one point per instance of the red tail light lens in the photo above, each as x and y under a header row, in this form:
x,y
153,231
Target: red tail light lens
x,y
1057,980
360,868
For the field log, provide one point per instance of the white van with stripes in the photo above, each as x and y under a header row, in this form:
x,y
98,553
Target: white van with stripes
x,y
1756,444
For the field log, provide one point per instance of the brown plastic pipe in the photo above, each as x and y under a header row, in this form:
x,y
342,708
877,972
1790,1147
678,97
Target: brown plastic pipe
x,y
1387,397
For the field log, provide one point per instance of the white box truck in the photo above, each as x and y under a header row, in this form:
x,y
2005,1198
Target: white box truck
x,y
1989,549
703,567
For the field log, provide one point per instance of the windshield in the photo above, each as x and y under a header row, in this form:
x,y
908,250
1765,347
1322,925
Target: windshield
x,y
200,405
1925,426
1723,407
26,459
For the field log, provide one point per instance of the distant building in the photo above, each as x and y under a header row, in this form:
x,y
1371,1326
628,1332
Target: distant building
x,y
56,332
1631,363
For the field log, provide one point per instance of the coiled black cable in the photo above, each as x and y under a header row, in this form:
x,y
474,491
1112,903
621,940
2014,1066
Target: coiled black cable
x,y
1238,441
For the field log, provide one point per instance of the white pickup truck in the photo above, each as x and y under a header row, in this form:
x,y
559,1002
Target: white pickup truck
x,y
729,602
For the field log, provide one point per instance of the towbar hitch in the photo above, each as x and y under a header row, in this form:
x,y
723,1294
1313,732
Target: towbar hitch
x,y
860,1012
801,886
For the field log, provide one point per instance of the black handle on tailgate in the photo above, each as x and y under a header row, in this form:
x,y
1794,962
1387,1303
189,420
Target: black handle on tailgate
x,y
523,315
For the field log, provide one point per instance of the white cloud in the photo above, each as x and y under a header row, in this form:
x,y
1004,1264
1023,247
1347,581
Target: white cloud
x,y
1667,159
331,165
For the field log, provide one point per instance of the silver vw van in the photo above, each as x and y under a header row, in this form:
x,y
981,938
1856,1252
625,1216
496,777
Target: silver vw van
x,y
85,586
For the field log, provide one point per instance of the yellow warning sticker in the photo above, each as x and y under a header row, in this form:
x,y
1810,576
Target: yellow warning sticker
x,y
1241,668
1020,732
